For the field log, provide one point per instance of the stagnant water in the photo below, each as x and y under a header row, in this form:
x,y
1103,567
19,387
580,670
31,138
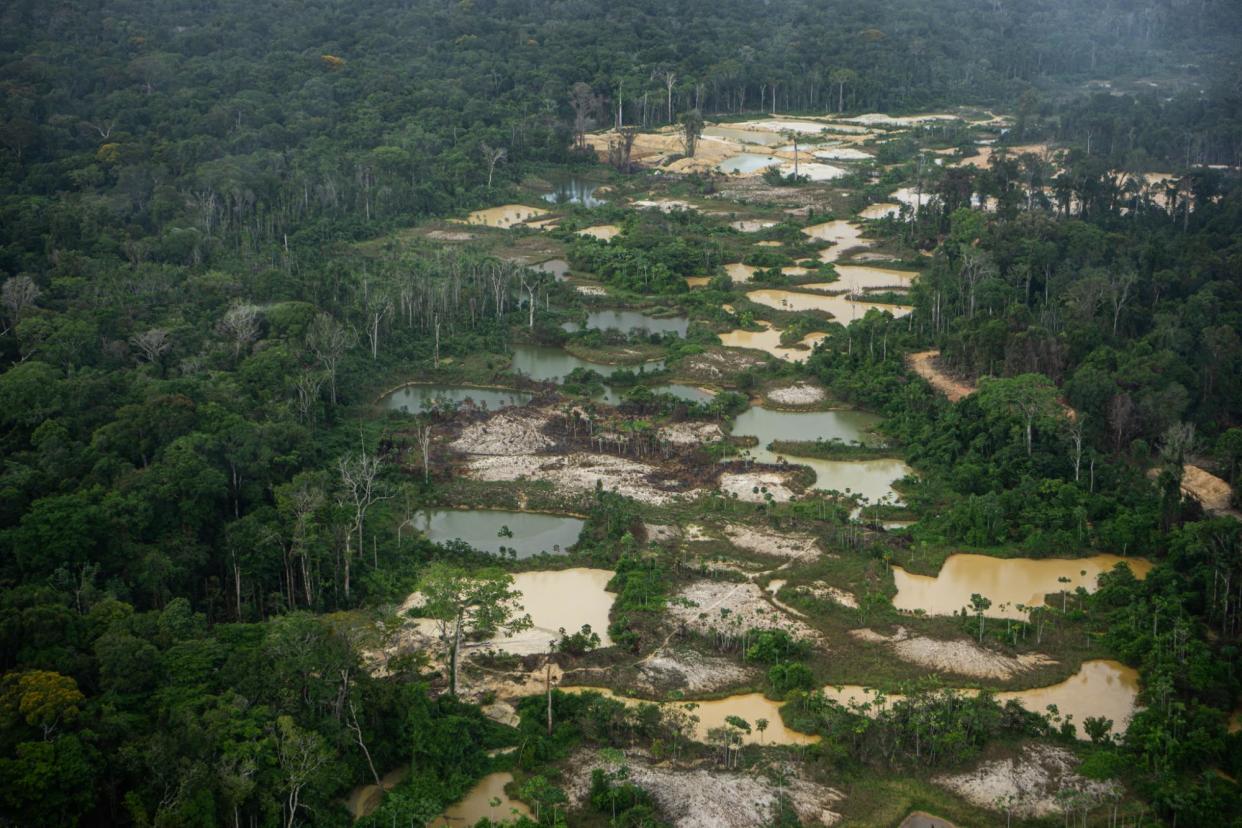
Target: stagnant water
x,y
842,424
840,308
506,215
627,320
483,529
880,211
865,277
574,190
1102,688
844,236
487,800
873,479
748,162
689,393
712,714
745,136
545,362
560,598
769,340
1006,582
558,268
415,398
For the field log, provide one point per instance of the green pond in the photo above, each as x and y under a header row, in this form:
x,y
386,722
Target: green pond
x,y
872,479
415,398
484,529
626,321
546,362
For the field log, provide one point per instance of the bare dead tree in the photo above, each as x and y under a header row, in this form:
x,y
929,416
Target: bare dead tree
x,y
423,433
1119,284
620,148
493,156
241,324
532,281
376,313
152,344
18,294
669,77
584,103
329,341
360,489
306,388
104,128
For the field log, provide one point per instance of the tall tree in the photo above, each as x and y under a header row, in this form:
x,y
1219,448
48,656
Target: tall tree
x,y
466,604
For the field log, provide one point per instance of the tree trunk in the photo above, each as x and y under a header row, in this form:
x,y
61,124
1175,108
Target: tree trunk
x,y
456,656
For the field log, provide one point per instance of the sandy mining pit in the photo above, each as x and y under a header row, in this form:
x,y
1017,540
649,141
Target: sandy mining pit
x,y
704,607
766,541
701,798
1031,781
961,656
800,393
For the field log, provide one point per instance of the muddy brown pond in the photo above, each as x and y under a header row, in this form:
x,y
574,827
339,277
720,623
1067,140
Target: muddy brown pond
x,y
1006,582
1101,688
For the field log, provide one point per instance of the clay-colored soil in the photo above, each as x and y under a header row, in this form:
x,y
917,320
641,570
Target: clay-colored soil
x,y
1030,782
701,798
1211,491
925,365
960,656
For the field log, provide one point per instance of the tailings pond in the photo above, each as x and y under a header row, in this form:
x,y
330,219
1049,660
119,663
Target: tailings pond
x,y
712,715
872,479
413,399
1006,582
488,800
545,362
627,320
1101,687
529,533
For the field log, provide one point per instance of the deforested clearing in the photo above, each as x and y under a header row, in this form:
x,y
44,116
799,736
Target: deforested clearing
x,y
732,609
580,472
510,432
1033,781
702,798
768,542
961,656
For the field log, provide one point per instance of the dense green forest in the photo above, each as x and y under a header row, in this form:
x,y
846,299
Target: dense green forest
x,y
215,257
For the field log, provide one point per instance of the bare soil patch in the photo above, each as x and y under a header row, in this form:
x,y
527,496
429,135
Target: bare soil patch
x,y
579,471
510,432
707,606
1211,491
769,542
1031,781
925,364
800,393
450,235
669,669
960,656
827,592
702,798
690,433
745,484
717,365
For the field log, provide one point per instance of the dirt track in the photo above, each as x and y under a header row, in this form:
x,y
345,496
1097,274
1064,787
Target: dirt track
x,y
923,363
1212,492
